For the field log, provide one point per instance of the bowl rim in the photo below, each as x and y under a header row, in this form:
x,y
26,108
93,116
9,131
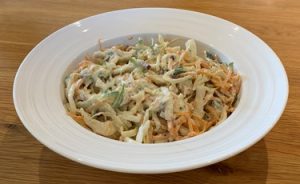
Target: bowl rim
x,y
130,170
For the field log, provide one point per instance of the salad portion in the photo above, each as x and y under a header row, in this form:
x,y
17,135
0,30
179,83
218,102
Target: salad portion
x,y
151,93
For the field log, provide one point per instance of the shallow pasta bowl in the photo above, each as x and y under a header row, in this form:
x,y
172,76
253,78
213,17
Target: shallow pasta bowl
x,y
39,101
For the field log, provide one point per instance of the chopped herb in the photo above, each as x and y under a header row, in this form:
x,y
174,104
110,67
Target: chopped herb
x,y
134,61
112,93
99,61
209,85
110,53
210,56
217,104
90,78
103,75
178,71
230,65
108,56
110,96
206,117
235,101
141,65
87,77
140,41
118,100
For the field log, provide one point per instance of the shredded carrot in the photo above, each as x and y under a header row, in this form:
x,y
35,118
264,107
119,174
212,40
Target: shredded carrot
x,y
183,113
190,125
171,129
189,64
180,120
192,134
161,137
198,64
194,125
78,118
84,63
205,65
201,122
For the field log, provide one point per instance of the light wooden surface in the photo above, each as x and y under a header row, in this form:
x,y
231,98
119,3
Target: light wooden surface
x,y
275,159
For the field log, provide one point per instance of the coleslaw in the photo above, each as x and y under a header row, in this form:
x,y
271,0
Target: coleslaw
x,y
151,93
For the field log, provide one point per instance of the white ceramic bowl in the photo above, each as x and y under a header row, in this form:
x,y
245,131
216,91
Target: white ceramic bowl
x,y
38,83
